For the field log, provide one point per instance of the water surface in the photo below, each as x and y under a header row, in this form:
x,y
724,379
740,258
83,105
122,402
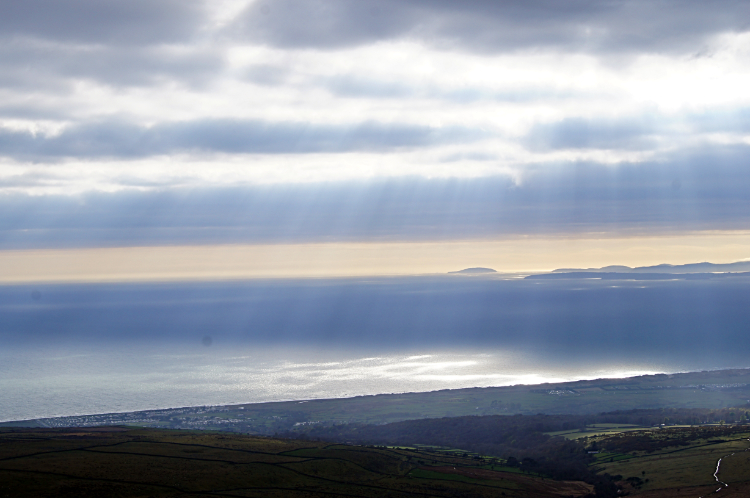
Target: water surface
x,y
78,349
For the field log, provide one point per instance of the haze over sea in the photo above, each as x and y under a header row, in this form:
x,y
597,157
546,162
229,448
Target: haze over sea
x,y
97,348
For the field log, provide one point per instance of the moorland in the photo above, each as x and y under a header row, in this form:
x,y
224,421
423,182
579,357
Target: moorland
x,y
663,435
118,461
126,461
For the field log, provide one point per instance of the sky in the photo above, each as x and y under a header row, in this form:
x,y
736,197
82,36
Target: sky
x,y
189,139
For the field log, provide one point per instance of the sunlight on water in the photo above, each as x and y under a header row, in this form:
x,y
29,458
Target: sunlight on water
x,y
107,348
39,384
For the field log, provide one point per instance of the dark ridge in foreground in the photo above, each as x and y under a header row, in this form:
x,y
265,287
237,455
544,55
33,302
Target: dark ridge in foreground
x,y
126,462
475,270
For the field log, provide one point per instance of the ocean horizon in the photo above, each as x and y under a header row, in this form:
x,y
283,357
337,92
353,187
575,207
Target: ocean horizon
x,y
103,348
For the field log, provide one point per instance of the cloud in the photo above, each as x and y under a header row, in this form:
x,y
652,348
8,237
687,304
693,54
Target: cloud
x,y
490,26
122,139
266,74
370,87
43,66
103,21
361,87
161,96
638,133
53,45
733,120
28,178
320,23
697,190
577,133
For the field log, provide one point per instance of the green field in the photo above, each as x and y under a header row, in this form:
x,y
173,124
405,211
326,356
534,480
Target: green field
x,y
678,460
597,430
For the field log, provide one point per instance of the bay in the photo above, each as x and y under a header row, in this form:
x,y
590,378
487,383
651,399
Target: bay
x,y
84,349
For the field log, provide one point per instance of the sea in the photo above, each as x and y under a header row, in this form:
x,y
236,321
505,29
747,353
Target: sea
x,y
104,348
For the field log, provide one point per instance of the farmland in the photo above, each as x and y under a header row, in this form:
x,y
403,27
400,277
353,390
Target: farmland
x,y
677,461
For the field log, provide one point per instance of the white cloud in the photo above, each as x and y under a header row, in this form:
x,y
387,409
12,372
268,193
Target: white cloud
x,y
187,101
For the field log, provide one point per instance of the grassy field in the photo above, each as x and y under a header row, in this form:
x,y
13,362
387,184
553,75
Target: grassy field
x,y
678,461
597,430
125,462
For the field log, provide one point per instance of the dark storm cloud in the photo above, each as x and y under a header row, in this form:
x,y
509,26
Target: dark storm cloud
x,y
102,21
492,26
114,139
695,190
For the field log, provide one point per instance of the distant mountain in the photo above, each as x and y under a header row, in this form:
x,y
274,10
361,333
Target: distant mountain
x,y
476,270
600,275
740,266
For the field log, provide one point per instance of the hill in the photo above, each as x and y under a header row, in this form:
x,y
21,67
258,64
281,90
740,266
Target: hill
x,y
739,266
693,390
475,270
637,276
125,462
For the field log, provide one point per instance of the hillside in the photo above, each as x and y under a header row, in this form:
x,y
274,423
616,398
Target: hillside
x,y
126,462
707,390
